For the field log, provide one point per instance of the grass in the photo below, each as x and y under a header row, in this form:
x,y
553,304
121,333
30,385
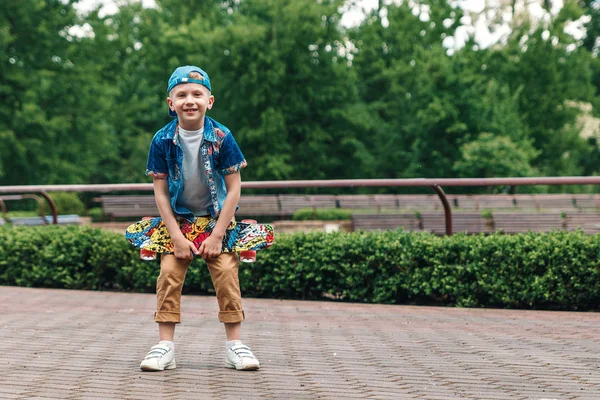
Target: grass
x,y
17,214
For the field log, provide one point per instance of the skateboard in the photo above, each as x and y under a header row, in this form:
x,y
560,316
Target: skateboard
x,y
151,234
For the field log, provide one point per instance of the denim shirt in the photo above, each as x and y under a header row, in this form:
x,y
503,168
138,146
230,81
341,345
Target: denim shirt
x,y
219,154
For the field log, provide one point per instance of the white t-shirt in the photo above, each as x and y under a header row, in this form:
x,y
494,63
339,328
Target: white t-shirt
x,y
195,196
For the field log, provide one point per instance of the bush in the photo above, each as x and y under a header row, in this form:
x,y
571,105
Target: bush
x,y
488,214
558,270
96,213
67,203
17,214
322,214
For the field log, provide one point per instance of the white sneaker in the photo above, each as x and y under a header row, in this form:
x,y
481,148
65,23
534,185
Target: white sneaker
x,y
240,357
160,357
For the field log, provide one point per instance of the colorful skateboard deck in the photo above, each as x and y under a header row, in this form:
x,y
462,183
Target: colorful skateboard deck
x,y
151,234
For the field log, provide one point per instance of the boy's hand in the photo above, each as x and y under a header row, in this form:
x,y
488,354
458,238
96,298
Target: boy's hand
x,y
211,247
184,249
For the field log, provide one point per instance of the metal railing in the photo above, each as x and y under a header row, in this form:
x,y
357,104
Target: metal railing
x,y
5,198
434,184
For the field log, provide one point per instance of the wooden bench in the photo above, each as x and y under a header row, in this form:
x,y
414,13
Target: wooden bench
x,y
526,202
370,222
481,202
257,205
419,202
462,202
387,201
587,201
496,202
473,223
286,205
144,205
128,206
557,202
525,222
291,203
589,222
368,202
429,222
461,223
249,205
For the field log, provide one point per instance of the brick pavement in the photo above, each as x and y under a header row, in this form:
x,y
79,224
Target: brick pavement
x,y
60,344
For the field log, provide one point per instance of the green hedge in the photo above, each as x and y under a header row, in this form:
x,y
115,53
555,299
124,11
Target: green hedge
x,y
67,203
558,270
322,214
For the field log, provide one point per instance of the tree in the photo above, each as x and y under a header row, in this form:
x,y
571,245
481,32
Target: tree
x,y
547,73
491,156
283,86
43,99
427,104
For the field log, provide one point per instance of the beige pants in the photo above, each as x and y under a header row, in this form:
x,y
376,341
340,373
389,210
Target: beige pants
x,y
224,273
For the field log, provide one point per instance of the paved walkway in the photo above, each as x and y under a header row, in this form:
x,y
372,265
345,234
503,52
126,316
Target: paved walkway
x,y
59,344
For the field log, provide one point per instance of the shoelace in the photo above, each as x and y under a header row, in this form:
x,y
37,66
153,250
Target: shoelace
x,y
157,351
242,350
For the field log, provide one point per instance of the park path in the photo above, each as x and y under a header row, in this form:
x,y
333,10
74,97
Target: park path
x,y
67,344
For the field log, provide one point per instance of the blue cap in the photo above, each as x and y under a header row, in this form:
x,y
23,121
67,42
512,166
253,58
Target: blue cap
x,y
180,75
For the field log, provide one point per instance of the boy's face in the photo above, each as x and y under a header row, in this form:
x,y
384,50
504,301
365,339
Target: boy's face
x,y
190,101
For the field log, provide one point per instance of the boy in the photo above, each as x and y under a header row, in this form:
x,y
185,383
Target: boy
x,y
195,164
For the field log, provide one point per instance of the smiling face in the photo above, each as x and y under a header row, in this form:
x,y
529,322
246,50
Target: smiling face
x,y
190,101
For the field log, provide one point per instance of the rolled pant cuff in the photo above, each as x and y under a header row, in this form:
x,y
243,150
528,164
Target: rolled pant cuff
x,y
231,316
167,316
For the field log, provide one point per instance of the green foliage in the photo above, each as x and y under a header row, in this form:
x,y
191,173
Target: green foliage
x,y
305,97
558,270
16,214
74,258
487,214
96,213
68,203
491,156
323,214
545,89
53,113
